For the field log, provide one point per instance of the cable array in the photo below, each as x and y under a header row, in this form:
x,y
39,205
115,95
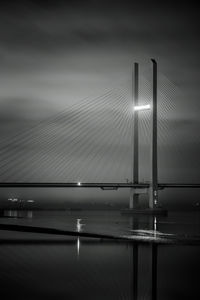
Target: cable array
x,y
91,140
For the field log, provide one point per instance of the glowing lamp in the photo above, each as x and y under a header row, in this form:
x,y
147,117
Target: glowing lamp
x,y
142,107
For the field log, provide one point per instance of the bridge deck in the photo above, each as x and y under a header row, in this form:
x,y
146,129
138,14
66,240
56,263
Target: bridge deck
x,y
95,185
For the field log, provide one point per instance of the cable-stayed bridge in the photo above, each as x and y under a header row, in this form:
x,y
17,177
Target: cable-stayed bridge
x,y
97,142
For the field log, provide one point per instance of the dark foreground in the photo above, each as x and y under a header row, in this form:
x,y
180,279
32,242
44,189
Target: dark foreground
x,y
99,255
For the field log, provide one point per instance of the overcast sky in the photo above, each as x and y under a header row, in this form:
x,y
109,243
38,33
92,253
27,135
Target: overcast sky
x,y
55,54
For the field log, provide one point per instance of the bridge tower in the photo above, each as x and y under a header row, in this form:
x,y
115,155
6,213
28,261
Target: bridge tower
x,y
152,191
134,194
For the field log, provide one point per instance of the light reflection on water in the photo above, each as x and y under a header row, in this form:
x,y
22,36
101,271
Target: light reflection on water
x,y
38,266
78,246
14,213
79,229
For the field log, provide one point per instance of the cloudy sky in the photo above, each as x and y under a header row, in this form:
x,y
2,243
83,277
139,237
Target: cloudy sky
x,y
53,55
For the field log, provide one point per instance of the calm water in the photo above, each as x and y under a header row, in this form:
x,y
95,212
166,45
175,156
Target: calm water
x,y
38,266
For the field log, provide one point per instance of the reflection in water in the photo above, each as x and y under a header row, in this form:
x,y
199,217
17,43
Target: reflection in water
x,y
30,214
107,269
78,246
11,213
79,229
155,223
142,265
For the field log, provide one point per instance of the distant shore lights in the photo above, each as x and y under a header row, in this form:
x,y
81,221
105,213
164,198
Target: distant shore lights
x,y
142,107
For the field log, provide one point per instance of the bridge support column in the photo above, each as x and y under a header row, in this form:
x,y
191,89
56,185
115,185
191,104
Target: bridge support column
x,y
134,196
134,199
153,189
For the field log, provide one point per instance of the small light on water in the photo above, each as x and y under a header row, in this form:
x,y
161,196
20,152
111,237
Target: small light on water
x,y
79,183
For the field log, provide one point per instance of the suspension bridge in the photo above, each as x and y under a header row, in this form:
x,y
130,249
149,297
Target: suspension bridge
x,y
95,144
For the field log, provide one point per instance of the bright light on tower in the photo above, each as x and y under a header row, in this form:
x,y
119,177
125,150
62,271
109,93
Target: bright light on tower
x,y
142,107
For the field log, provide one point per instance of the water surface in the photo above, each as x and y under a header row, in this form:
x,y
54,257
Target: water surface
x,y
36,266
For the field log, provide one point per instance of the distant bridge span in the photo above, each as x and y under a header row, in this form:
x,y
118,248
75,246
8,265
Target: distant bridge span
x,y
103,186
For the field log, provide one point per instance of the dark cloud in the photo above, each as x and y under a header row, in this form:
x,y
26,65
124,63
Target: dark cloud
x,y
32,34
52,27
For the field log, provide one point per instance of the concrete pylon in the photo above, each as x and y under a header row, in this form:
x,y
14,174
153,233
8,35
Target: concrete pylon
x,y
153,189
134,196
